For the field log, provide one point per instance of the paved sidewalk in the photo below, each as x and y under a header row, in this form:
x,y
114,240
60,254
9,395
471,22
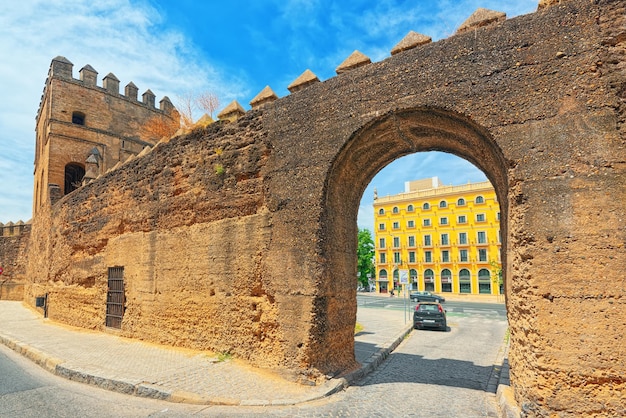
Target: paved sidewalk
x,y
148,370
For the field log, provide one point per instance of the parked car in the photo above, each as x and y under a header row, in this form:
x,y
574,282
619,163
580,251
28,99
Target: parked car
x,y
426,297
429,315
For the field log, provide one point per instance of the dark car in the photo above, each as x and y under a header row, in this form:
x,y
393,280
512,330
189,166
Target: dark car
x,y
426,297
430,315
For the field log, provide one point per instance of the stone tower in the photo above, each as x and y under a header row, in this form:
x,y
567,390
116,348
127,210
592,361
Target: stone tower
x,y
82,129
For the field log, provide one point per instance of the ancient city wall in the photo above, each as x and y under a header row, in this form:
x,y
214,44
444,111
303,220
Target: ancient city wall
x,y
241,237
14,239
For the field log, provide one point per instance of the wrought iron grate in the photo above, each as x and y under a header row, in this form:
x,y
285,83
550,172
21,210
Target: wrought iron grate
x,y
115,298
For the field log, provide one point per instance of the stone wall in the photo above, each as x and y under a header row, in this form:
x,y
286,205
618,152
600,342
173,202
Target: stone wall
x,y
13,255
241,237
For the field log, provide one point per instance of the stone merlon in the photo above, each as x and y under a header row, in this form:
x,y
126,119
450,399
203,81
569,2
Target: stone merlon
x,y
355,60
481,18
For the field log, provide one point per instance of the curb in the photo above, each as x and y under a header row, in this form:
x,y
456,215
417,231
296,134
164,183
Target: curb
x,y
146,390
504,396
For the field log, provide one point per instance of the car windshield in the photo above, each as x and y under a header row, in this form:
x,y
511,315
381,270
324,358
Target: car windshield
x,y
429,308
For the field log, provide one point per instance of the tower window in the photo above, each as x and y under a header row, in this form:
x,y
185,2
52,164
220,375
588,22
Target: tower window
x,y
78,118
74,174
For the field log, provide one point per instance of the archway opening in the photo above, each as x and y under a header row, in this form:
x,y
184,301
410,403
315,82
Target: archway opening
x,y
74,174
369,150
436,217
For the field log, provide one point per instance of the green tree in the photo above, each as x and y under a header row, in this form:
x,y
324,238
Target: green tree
x,y
496,270
365,257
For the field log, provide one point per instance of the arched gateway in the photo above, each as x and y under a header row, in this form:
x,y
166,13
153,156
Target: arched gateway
x,y
241,237
367,151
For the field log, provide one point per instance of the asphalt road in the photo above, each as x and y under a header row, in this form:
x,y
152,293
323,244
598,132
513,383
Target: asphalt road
x,y
453,308
28,391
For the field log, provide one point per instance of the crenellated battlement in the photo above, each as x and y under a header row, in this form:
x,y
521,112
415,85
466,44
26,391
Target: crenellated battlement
x,y
481,18
84,129
62,68
11,229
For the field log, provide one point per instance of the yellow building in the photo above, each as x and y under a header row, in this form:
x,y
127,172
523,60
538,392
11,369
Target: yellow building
x,y
444,239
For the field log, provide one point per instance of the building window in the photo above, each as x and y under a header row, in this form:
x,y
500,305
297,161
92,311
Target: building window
x,y
446,280
396,257
482,255
383,258
396,225
428,256
462,238
443,204
463,256
480,217
381,243
460,202
381,211
426,206
396,242
429,280
498,216
426,222
78,118
444,239
443,221
427,241
445,256
381,227
482,237
395,209
484,281
410,208
411,240
410,224
462,219
411,256
382,274
465,283
480,199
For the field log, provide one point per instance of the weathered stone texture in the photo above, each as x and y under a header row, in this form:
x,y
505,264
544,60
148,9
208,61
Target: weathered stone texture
x,y
13,253
241,237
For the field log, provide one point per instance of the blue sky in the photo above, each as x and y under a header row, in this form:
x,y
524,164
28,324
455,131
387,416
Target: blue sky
x,y
231,48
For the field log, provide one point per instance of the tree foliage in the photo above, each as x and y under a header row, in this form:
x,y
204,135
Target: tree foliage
x,y
187,105
365,257
159,127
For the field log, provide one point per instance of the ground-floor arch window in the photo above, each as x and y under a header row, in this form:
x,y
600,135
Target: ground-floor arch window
x,y
74,174
446,280
413,278
465,281
484,281
382,281
429,280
